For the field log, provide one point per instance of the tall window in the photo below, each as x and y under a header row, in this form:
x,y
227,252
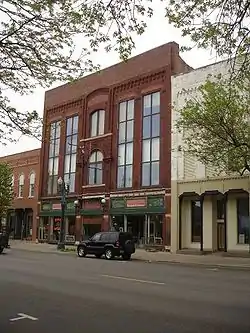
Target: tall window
x,y
97,123
195,221
151,140
243,220
55,130
32,185
20,186
70,152
95,168
12,181
125,144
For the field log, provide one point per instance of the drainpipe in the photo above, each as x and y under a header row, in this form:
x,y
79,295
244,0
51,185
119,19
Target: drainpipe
x,y
180,222
225,222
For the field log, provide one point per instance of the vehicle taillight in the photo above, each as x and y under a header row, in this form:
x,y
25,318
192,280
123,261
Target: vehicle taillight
x,y
117,244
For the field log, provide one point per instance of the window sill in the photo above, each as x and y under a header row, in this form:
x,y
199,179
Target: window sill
x,y
94,185
19,197
31,197
96,137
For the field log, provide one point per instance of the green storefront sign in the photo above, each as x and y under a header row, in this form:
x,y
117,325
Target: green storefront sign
x,y
54,209
138,205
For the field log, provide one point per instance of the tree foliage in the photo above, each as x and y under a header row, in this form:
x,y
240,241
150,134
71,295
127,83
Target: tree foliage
x,y
44,41
215,125
222,25
6,189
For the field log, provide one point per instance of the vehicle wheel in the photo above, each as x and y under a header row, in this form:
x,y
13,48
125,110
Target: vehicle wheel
x,y
126,256
108,254
1,249
81,251
98,256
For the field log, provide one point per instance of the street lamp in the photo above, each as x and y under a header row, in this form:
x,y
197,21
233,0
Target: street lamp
x,y
63,191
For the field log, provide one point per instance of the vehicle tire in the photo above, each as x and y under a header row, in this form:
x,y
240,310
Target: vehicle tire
x,y
126,256
81,251
98,256
109,254
1,249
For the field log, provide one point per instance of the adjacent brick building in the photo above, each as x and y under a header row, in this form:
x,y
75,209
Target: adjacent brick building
x,y
109,135
22,217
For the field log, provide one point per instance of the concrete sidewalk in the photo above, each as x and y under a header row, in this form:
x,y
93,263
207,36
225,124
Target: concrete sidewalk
x,y
212,261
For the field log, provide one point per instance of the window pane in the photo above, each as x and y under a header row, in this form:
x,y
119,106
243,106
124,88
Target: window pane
x,y
58,129
146,151
155,125
57,147
122,111
243,220
155,154
99,156
128,176
130,130
32,178
195,221
129,153
120,177
50,167
145,174
93,124
52,131
92,157
122,132
99,173
69,126
130,109
66,164
74,143
147,105
146,127
51,149
56,165
73,163
72,182
55,185
75,125
101,122
68,144
156,99
121,155
50,180
91,174
155,173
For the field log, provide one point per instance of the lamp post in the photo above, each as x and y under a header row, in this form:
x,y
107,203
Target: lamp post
x,y
63,190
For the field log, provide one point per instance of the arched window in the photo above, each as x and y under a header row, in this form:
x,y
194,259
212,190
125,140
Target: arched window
x,y
97,123
32,185
12,181
20,186
95,168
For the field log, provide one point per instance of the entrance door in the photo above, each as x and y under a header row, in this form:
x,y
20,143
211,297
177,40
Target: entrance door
x,y
220,236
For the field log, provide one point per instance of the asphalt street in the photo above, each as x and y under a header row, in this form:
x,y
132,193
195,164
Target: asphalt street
x,y
63,293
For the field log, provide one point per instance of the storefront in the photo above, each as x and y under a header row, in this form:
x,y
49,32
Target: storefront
x,y
92,216
50,220
143,216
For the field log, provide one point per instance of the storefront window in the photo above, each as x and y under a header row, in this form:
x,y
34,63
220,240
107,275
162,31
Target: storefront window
x,y
71,225
243,220
56,228
195,221
44,229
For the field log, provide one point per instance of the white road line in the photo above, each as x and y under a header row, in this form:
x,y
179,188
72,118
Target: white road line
x,y
131,279
23,316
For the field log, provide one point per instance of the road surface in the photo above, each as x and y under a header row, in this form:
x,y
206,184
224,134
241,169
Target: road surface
x,y
62,293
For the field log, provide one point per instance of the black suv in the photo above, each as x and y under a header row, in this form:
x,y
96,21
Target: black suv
x,y
111,244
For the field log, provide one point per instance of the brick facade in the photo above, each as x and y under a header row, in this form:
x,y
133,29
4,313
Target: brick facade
x,y
144,74
23,214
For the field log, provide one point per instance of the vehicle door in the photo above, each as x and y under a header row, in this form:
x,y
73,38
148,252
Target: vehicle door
x,y
94,244
104,240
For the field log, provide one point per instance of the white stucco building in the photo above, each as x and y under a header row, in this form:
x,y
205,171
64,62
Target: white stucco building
x,y
209,212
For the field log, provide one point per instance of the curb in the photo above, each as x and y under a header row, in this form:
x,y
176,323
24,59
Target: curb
x,y
172,262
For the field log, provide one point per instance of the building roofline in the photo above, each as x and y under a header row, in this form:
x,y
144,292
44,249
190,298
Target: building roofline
x,y
26,152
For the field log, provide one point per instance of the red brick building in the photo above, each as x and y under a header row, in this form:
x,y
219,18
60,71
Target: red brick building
x,y
109,135
22,217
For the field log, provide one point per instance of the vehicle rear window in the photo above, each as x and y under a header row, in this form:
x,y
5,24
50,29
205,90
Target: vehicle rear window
x,y
124,236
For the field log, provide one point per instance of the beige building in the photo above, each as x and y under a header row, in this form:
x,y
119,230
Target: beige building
x,y
209,212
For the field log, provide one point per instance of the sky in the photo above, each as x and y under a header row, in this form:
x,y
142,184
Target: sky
x,y
157,33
